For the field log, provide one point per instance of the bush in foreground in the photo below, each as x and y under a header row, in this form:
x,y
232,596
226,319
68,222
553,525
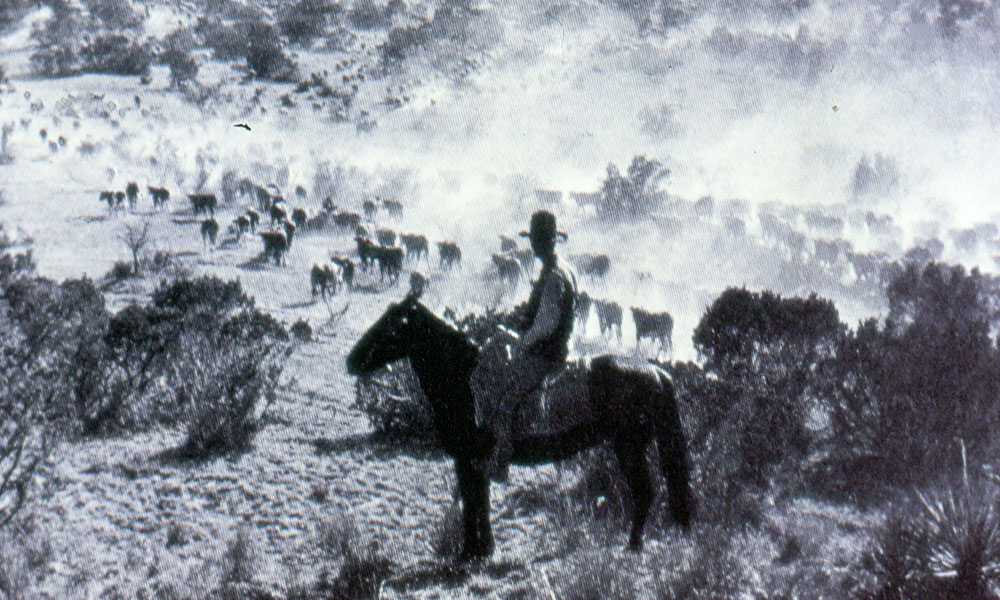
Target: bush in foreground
x,y
939,545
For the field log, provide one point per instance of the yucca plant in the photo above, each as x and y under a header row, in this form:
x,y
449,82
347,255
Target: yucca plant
x,y
942,545
963,530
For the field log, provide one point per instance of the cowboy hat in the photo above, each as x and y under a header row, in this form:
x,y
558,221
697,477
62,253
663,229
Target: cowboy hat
x,y
543,226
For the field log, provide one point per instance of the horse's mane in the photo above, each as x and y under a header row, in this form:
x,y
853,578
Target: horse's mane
x,y
442,328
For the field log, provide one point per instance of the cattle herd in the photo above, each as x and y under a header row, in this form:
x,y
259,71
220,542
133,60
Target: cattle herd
x,y
378,249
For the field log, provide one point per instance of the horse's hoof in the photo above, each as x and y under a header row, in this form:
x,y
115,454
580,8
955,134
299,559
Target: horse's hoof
x,y
635,546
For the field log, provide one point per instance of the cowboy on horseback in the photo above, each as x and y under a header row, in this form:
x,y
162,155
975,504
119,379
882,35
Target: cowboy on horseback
x,y
514,365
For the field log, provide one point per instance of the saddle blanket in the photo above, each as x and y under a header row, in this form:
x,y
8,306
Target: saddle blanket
x,y
563,402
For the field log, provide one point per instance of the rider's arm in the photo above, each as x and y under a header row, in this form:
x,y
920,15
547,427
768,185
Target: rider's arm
x,y
547,318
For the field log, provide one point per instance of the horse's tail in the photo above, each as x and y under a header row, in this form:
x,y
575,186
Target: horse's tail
x,y
673,451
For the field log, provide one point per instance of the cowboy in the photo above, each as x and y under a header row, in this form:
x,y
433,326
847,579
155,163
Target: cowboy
x,y
513,365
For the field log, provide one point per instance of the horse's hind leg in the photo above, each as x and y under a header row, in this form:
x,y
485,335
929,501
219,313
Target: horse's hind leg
x,y
474,489
632,459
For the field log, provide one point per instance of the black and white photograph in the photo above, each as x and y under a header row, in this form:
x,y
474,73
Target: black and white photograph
x,y
499,299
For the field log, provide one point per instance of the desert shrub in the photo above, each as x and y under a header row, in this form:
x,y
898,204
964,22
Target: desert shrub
x,y
204,293
766,349
938,545
122,269
267,59
224,385
365,14
11,11
361,575
115,14
200,354
116,54
230,40
394,404
22,263
58,40
183,67
362,570
301,330
304,20
159,262
402,40
49,345
634,194
902,391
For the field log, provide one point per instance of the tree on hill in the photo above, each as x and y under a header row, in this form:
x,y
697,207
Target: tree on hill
x,y
634,194
766,349
904,390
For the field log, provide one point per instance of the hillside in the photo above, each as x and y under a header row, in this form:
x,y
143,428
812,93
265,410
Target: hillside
x,y
803,148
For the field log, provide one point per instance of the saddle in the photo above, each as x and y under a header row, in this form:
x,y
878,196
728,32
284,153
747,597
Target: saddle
x,y
560,403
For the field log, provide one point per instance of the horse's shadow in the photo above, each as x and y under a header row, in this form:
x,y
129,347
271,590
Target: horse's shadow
x,y
382,446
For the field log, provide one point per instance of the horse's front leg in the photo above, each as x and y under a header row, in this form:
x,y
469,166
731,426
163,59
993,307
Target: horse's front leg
x,y
474,489
485,532
470,543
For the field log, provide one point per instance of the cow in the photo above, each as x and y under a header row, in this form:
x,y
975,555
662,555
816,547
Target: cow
x,y
242,225
347,220
109,197
369,208
289,232
390,261
393,207
328,205
366,252
299,217
132,191
508,269
594,265
415,245
203,203
609,316
654,326
275,245
826,253
254,218
451,254
209,229
278,213
526,258
323,279
866,265
386,237
119,200
160,196
346,270
507,244
819,222
263,198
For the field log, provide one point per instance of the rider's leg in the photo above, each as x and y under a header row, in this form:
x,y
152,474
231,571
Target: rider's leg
x,y
504,390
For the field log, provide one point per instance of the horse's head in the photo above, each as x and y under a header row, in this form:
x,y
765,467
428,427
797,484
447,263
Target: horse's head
x,y
388,340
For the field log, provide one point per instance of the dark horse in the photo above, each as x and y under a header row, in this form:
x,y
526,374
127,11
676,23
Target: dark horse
x,y
631,403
